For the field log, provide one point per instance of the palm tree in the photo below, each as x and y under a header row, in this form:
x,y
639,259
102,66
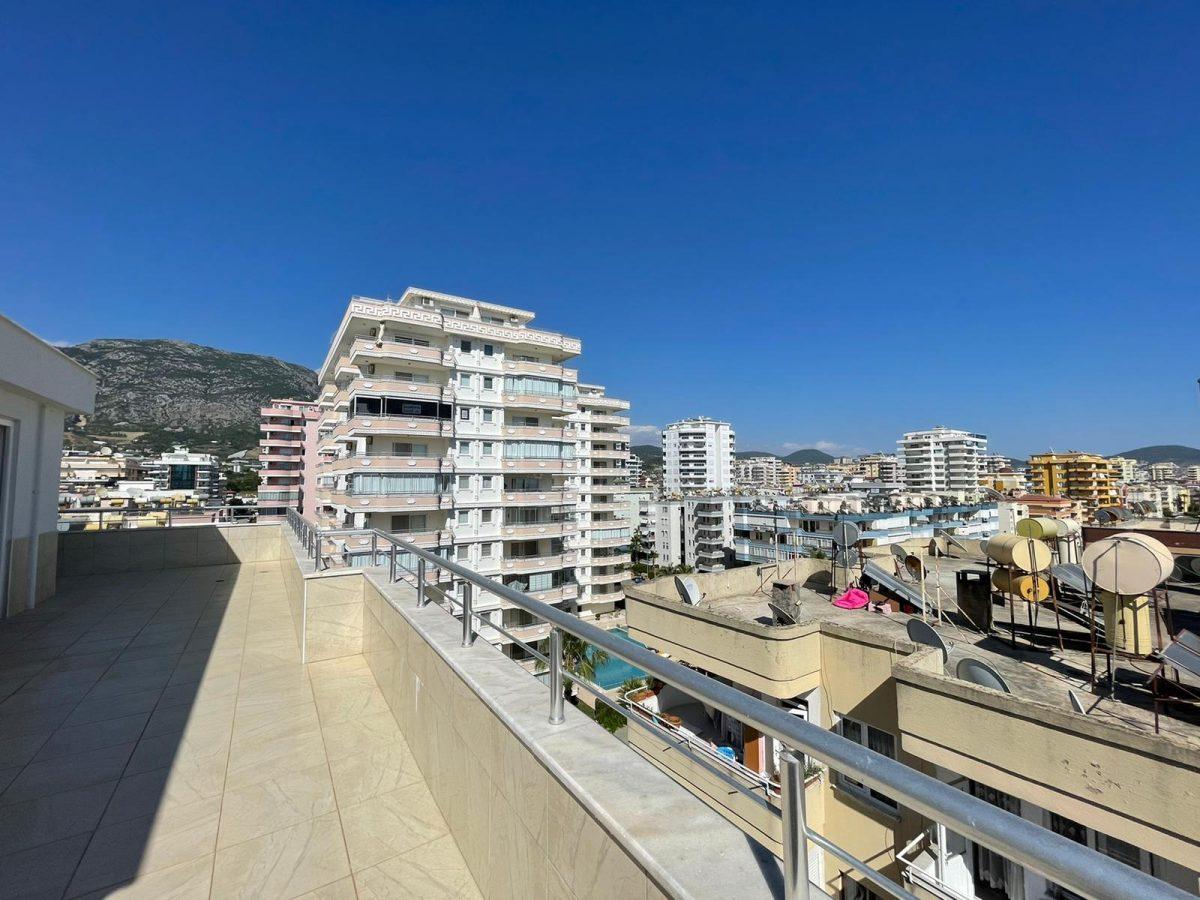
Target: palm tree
x,y
579,658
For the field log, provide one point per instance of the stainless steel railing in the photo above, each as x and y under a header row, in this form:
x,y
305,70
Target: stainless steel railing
x,y
1058,858
118,517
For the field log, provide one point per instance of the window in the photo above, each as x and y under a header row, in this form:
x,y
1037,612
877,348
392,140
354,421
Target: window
x,y
464,448
489,350
488,448
461,551
464,379
404,522
464,482
874,739
485,516
464,517
487,482
485,551
464,346
487,415
464,414
526,421
488,382
404,448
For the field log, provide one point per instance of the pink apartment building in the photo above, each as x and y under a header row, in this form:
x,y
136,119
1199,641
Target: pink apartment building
x,y
289,437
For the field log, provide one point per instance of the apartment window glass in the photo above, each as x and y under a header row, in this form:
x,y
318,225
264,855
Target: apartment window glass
x,y
538,450
386,483
541,581
406,522
485,516
488,448
464,482
521,384
881,742
488,415
404,448
464,448
488,350
464,346
464,414
461,552
464,379
488,382
464,517
485,551
526,421
522,549
411,341
487,482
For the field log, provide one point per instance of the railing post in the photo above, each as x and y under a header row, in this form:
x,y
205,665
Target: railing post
x,y
795,834
392,565
556,677
168,517
468,631
421,599
374,549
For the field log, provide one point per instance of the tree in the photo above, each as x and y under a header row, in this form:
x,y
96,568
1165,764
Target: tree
x,y
242,482
579,658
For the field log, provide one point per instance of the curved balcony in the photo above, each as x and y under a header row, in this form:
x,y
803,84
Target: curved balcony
x,y
539,498
538,465
598,543
363,425
538,530
618,559
536,433
538,563
365,348
385,502
547,402
282,429
608,578
545,370
605,419
385,462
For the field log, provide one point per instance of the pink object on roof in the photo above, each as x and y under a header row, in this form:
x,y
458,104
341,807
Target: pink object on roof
x,y
852,599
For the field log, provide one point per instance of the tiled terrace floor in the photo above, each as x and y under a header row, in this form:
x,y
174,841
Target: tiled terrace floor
x,y
159,737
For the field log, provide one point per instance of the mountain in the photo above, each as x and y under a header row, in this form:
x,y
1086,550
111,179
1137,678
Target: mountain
x,y
750,454
1176,453
649,454
168,392
810,455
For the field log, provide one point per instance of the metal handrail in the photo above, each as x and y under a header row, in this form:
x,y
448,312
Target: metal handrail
x,y
1058,858
176,516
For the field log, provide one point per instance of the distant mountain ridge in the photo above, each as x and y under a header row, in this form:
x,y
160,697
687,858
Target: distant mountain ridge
x,y
1157,453
807,456
179,391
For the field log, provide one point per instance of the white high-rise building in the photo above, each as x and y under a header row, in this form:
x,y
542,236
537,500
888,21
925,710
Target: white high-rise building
x,y
698,456
456,425
942,459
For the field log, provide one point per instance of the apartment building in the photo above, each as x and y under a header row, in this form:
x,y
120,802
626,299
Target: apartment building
x,y
1125,470
196,475
289,439
1164,471
698,455
1085,477
886,468
942,459
456,424
763,473
635,471
1193,473
1103,777
696,532
84,472
602,483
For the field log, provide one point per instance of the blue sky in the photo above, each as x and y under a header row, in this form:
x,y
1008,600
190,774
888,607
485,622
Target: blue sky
x,y
827,224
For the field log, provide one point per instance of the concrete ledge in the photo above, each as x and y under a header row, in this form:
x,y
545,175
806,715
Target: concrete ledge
x,y
536,807
153,549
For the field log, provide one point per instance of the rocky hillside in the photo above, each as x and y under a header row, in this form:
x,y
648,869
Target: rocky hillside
x,y
1176,453
174,391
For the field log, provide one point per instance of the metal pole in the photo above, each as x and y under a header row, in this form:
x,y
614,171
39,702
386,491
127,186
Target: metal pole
x,y
556,678
421,598
795,829
374,548
468,632
392,565
168,517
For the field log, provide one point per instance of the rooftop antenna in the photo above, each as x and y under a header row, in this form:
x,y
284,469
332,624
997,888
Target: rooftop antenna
x,y
979,672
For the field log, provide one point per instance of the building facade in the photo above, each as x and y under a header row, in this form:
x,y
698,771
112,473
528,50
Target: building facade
x,y
197,475
289,439
457,425
763,473
1086,477
698,455
1125,470
942,459
39,387
696,532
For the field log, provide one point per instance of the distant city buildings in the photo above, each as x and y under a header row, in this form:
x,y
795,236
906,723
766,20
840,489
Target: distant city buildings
x,y
698,455
180,471
942,459
1125,470
764,473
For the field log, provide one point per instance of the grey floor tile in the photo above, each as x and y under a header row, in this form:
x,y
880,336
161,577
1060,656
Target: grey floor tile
x,y
68,741
66,773
34,822
43,871
98,709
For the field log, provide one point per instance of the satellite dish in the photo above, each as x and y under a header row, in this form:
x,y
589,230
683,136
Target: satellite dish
x,y
845,534
915,567
899,552
978,672
1104,516
991,494
689,591
921,633
1076,703
846,557
782,616
1124,515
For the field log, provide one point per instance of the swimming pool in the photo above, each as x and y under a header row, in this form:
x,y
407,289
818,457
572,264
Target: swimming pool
x,y
614,672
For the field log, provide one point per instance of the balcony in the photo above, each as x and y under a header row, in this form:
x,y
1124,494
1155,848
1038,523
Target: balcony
x,y
385,502
282,429
540,498
538,530
385,462
517,565
529,432
542,370
546,402
554,466
395,387
363,350
358,426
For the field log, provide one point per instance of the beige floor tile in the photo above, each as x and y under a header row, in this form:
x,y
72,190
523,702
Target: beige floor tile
x,y
342,889
434,870
275,803
187,881
345,702
267,720
252,761
174,834
284,863
391,824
